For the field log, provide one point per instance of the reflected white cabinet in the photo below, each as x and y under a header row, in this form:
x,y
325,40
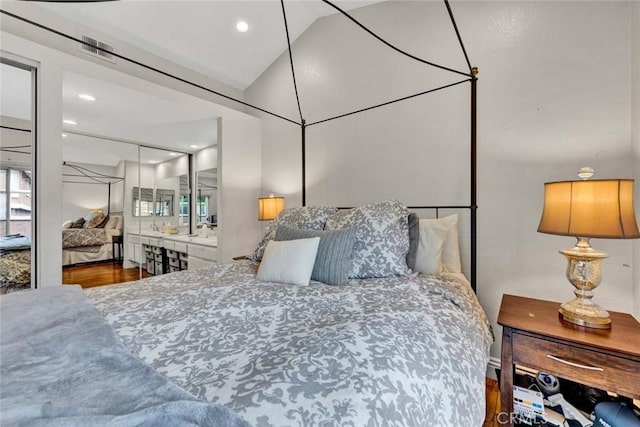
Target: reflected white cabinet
x,y
189,254
134,250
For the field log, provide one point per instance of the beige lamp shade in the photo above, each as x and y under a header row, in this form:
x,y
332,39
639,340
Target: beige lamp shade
x,y
590,208
269,207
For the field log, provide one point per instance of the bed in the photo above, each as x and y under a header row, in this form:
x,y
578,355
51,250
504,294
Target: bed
x,y
377,346
408,349
84,245
409,352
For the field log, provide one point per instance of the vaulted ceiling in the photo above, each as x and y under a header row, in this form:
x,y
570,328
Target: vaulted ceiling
x,y
200,35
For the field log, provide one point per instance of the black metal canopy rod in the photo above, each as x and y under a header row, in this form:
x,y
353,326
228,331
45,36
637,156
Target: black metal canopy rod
x,y
455,27
442,67
228,97
404,98
97,177
293,71
14,128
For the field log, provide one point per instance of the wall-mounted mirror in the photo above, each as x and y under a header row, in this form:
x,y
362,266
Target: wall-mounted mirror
x,y
206,197
17,222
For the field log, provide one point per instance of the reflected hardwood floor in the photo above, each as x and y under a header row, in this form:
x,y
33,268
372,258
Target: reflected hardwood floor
x,y
101,274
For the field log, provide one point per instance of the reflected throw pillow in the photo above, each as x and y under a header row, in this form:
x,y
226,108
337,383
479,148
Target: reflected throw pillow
x,y
290,262
78,223
93,220
334,252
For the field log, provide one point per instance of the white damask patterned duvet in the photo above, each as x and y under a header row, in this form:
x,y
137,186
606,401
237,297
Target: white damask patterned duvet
x,y
408,351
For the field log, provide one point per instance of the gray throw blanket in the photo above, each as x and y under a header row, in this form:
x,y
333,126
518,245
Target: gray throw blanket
x,y
62,365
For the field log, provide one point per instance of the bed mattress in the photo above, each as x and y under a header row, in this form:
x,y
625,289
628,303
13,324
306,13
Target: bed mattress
x,y
396,351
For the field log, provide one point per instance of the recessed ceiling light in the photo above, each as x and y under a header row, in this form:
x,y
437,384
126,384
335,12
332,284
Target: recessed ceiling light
x,y
194,146
242,26
64,135
87,97
153,161
69,122
173,154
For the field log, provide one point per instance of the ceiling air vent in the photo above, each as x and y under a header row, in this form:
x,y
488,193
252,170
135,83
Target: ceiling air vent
x,y
98,49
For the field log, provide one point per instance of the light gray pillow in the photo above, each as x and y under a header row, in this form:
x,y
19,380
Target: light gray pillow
x,y
333,261
306,217
382,238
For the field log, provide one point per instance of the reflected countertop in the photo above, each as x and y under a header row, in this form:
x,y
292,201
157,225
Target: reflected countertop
x,y
184,238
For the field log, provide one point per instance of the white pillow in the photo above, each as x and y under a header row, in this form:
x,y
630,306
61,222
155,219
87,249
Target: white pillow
x,y
429,254
289,261
438,248
67,224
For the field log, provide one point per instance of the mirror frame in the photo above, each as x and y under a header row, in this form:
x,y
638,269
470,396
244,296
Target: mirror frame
x,y
32,67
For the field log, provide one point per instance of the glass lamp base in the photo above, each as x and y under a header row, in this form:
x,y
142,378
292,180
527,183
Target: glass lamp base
x,y
583,271
585,313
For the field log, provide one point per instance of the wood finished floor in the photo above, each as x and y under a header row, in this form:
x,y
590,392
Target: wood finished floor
x,y
493,404
100,274
109,273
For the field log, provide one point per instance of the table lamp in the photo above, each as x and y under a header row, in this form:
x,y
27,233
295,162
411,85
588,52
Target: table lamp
x,y
269,207
601,208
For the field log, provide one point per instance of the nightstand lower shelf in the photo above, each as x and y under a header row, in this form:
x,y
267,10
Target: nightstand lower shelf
x,y
534,336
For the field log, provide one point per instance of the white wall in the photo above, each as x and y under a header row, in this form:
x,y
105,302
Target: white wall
x,y
239,178
554,95
635,140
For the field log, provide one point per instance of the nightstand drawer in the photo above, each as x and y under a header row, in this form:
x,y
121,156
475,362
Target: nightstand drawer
x,y
596,369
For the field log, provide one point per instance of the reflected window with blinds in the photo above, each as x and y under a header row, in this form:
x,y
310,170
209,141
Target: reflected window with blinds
x,y
142,201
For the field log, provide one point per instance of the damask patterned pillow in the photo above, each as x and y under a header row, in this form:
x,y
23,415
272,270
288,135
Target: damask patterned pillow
x,y
306,217
382,238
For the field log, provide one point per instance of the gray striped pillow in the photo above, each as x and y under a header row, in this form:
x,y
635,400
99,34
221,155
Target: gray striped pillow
x,y
333,261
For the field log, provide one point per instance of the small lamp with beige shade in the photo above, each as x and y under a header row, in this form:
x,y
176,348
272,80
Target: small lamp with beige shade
x,y
269,207
600,208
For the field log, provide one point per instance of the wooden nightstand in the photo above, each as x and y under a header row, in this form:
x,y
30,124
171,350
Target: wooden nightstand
x,y
533,335
116,242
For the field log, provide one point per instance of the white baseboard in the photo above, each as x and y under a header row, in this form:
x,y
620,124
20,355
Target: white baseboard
x,y
494,363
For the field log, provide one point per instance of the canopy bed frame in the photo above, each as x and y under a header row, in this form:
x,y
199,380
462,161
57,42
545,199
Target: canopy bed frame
x,y
470,77
366,342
